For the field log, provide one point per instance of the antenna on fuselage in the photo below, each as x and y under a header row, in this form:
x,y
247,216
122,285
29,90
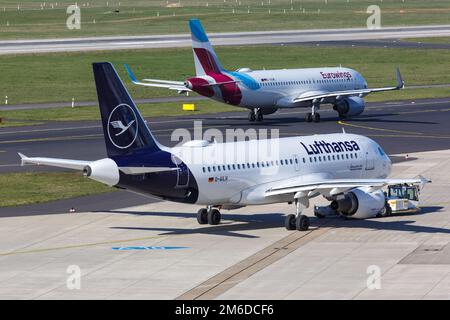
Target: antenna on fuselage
x,y
343,130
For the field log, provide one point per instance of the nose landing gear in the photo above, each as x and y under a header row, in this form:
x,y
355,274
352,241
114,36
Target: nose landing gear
x,y
313,116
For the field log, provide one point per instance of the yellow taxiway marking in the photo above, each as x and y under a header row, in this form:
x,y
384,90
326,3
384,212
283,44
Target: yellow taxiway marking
x,y
377,129
79,246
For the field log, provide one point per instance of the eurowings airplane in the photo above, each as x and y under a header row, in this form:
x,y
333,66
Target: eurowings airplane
x,y
348,170
263,92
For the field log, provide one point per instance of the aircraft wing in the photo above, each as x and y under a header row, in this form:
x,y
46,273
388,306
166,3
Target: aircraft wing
x,y
171,85
336,95
332,187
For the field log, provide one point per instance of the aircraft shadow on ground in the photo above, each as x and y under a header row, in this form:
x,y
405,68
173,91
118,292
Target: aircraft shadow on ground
x,y
276,220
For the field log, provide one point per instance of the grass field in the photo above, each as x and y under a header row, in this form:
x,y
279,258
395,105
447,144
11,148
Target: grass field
x,y
437,40
28,188
33,19
59,77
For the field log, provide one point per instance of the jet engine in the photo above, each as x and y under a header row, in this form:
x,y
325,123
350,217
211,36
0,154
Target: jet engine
x,y
104,171
351,106
360,203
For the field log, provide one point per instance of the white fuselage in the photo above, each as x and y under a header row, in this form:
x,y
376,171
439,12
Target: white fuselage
x,y
240,173
277,88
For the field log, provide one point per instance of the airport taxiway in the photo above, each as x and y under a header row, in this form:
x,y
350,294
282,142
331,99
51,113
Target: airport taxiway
x,y
158,251
236,38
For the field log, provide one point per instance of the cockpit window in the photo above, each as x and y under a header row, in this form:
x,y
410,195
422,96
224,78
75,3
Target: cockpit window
x,y
381,151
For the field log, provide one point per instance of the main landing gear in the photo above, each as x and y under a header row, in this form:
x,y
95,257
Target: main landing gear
x,y
298,221
255,115
313,116
209,216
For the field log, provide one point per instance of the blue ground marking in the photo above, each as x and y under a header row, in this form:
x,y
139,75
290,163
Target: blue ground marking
x,y
148,248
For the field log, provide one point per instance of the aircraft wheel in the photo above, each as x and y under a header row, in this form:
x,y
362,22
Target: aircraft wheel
x,y
202,216
289,222
302,223
251,116
386,212
214,217
316,117
308,117
259,115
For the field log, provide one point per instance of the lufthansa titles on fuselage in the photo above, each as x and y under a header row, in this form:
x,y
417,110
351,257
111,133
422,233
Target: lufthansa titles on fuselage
x,y
320,147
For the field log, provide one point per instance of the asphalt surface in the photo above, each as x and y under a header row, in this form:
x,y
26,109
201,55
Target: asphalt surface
x,y
399,127
237,38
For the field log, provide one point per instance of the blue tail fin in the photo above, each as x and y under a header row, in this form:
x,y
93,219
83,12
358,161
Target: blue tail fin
x,y
123,126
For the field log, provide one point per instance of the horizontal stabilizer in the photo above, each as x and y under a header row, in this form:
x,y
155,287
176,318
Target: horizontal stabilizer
x,y
54,162
167,84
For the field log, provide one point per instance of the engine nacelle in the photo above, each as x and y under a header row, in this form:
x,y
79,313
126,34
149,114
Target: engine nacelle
x,y
105,171
351,106
360,204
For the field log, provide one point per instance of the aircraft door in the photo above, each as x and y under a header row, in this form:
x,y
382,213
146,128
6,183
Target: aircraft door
x,y
370,161
182,173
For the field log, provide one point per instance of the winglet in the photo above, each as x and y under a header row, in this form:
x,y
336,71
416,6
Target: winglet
x,y
400,82
130,74
423,181
22,158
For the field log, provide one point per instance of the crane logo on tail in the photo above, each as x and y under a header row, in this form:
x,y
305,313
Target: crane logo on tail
x,y
122,126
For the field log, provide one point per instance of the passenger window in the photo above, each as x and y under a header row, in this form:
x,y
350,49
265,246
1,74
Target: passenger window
x,y
234,167
209,169
218,168
214,168
290,160
203,169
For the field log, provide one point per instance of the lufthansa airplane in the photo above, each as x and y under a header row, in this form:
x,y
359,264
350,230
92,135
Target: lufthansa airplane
x,y
348,170
263,92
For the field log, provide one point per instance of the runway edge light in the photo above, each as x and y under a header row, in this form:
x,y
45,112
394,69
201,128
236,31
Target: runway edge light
x,y
188,107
